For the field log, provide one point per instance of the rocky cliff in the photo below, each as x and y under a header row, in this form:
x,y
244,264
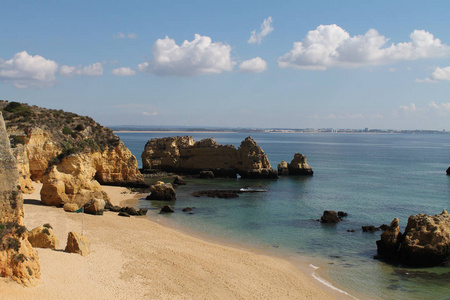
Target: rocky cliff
x,y
17,258
47,136
425,242
184,155
298,166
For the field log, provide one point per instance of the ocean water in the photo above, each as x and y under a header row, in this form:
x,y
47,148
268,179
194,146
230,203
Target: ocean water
x,y
372,177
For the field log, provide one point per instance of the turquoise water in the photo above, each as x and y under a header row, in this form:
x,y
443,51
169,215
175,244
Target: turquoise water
x,y
374,178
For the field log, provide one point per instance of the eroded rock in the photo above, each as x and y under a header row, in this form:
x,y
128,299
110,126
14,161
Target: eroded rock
x,y
77,243
162,191
43,237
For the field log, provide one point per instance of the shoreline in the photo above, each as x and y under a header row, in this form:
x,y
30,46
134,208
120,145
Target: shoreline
x,y
139,258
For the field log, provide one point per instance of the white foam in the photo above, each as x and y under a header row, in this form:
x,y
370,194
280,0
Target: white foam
x,y
328,284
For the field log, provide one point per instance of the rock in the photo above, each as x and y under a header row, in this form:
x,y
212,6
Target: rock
x,y
183,155
388,245
23,166
298,166
164,191
142,211
43,237
77,243
370,228
123,214
330,216
95,207
342,214
71,181
115,208
448,171
206,174
283,169
383,227
18,260
178,180
226,194
166,209
70,207
131,211
187,209
350,230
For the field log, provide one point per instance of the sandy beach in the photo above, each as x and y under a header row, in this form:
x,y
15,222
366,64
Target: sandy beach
x,y
134,258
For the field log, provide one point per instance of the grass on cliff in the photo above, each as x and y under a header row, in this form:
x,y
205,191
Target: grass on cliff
x,y
73,132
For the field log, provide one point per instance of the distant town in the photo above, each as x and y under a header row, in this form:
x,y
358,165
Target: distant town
x,y
271,130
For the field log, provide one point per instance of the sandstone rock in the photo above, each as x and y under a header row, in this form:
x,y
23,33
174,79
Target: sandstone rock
x,y
130,211
43,237
164,191
23,166
76,243
183,155
298,166
330,216
166,209
342,214
388,245
142,211
70,207
115,208
283,169
369,228
178,180
206,174
71,181
95,207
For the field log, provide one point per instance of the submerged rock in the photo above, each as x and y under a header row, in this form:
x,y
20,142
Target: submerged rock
x,y
166,209
330,216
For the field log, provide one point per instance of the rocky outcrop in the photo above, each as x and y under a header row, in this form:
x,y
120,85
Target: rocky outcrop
x,y
43,237
162,191
183,155
425,242
77,243
71,181
17,257
23,166
298,166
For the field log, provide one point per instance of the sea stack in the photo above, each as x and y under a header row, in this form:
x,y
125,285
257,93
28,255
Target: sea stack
x,y
298,166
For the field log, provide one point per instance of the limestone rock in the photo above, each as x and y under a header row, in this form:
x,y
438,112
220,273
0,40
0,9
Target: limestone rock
x,y
162,191
77,243
298,166
70,207
43,237
95,207
283,168
183,155
23,166
71,181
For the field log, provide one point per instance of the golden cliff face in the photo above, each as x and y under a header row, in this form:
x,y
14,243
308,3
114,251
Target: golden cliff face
x,y
23,167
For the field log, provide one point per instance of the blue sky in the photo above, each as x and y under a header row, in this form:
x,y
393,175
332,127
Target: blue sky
x,y
284,64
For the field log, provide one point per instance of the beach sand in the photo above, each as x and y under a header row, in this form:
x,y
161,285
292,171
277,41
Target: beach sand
x,y
135,258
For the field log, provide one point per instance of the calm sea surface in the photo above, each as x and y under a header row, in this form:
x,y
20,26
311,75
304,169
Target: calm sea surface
x,y
372,177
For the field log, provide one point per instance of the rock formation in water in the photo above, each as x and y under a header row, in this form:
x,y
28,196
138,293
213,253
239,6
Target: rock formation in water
x,y
184,155
298,166
17,258
47,136
425,242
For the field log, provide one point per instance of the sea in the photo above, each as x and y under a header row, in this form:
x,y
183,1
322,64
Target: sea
x,y
373,177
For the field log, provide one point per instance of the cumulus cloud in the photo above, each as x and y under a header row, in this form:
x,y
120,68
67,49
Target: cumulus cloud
x,y
25,70
254,65
121,35
124,71
197,57
439,74
96,69
332,46
266,28
411,108
442,106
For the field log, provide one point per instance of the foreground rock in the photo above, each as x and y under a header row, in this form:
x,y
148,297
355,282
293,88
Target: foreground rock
x,y
43,237
184,155
162,191
298,166
18,260
77,243
95,207
425,242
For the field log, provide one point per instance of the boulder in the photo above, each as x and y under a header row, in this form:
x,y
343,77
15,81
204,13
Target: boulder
x,y
187,209
166,209
283,168
124,214
43,237
162,191
370,228
70,207
77,243
95,207
298,166
206,174
330,216
142,211
178,180
115,208
448,171
130,211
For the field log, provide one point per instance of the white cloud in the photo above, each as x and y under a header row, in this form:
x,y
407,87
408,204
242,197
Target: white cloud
x,y
410,108
96,69
439,74
332,46
254,65
442,106
197,57
121,35
24,70
266,28
124,71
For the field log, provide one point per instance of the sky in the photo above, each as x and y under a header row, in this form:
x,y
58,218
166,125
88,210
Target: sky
x,y
253,64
